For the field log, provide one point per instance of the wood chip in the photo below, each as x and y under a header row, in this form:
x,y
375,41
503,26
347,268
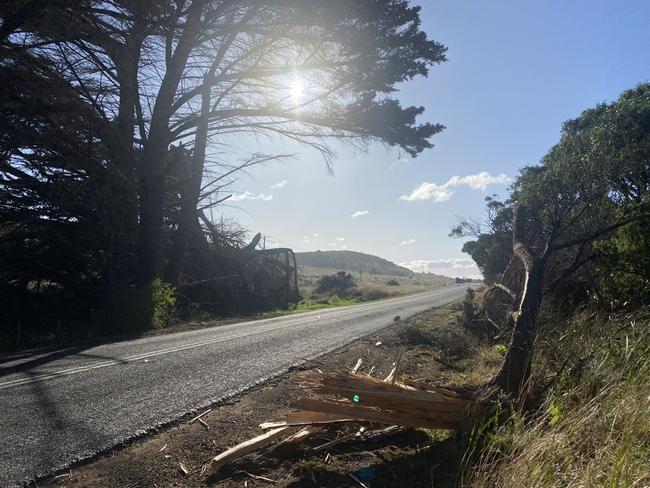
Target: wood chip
x,y
334,442
64,475
200,415
204,423
163,448
184,469
261,478
357,366
357,480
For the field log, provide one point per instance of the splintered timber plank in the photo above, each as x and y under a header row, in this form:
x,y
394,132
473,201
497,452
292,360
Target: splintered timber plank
x,y
406,418
311,379
304,418
348,386
246,447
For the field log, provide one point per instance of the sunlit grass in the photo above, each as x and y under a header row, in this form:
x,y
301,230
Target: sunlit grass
x,y
595,431
311,304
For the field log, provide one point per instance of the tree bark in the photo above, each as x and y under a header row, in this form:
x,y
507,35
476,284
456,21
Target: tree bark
x,y
155,153
190,194
515,369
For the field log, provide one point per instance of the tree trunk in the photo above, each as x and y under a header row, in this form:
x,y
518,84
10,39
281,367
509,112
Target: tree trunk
x,y
155,153
515,370
124,207
190,193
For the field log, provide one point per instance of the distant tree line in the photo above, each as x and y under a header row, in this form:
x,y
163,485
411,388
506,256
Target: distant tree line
x,y
124,122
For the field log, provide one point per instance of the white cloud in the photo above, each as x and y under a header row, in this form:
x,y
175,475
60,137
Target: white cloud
x,y
340,239
407,242
315,235
359,213
332,244
306,239
343,247
429,191
461,267
479,181
279,184
265,197
441,193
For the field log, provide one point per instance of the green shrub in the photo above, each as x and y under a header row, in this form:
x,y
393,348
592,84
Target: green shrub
x,y
340,284
162,302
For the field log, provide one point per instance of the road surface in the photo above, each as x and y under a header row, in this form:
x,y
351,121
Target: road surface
x,y
62,407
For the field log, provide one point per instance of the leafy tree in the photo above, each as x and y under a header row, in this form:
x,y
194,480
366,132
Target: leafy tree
x,y
593,184
155,85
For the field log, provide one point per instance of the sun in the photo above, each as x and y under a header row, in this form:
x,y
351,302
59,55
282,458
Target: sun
x,y
297,89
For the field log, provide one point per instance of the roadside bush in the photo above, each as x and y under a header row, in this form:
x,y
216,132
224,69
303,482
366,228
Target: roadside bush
x,y
372,294
340,284
162,302
392,283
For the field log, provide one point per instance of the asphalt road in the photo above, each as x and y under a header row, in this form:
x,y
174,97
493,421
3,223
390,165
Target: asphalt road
x,y
62,407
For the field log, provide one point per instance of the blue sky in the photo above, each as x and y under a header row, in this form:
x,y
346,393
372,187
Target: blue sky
x,y
516,71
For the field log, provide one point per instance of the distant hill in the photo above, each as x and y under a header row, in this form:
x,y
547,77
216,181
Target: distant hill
x,y
351,261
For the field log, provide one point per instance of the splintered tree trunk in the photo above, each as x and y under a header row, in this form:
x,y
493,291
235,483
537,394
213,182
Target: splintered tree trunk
x,y
515,370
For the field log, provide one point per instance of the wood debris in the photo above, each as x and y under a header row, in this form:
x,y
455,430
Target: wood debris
x,y
246,447
357,366
198,417
258,477
356,397
203,423
357,480
184,468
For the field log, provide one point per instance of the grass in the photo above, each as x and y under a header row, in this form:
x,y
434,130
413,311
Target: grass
x,y
312,304
593,429
308,277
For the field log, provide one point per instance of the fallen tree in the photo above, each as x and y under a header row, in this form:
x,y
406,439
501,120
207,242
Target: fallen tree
x,y
358,397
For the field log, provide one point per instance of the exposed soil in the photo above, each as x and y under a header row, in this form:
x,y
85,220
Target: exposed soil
x,y
411,458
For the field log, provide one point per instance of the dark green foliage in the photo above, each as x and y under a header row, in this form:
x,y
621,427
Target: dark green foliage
x,y
98,202
392,283
468,312
623,266
340,284
587,208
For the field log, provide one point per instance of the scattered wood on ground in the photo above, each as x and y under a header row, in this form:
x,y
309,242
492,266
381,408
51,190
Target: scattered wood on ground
x,y
351,396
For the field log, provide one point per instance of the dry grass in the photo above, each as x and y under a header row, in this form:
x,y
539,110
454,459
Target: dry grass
x,y
595,431
308,277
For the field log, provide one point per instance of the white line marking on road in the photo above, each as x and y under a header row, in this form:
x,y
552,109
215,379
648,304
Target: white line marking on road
x,y
352,310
